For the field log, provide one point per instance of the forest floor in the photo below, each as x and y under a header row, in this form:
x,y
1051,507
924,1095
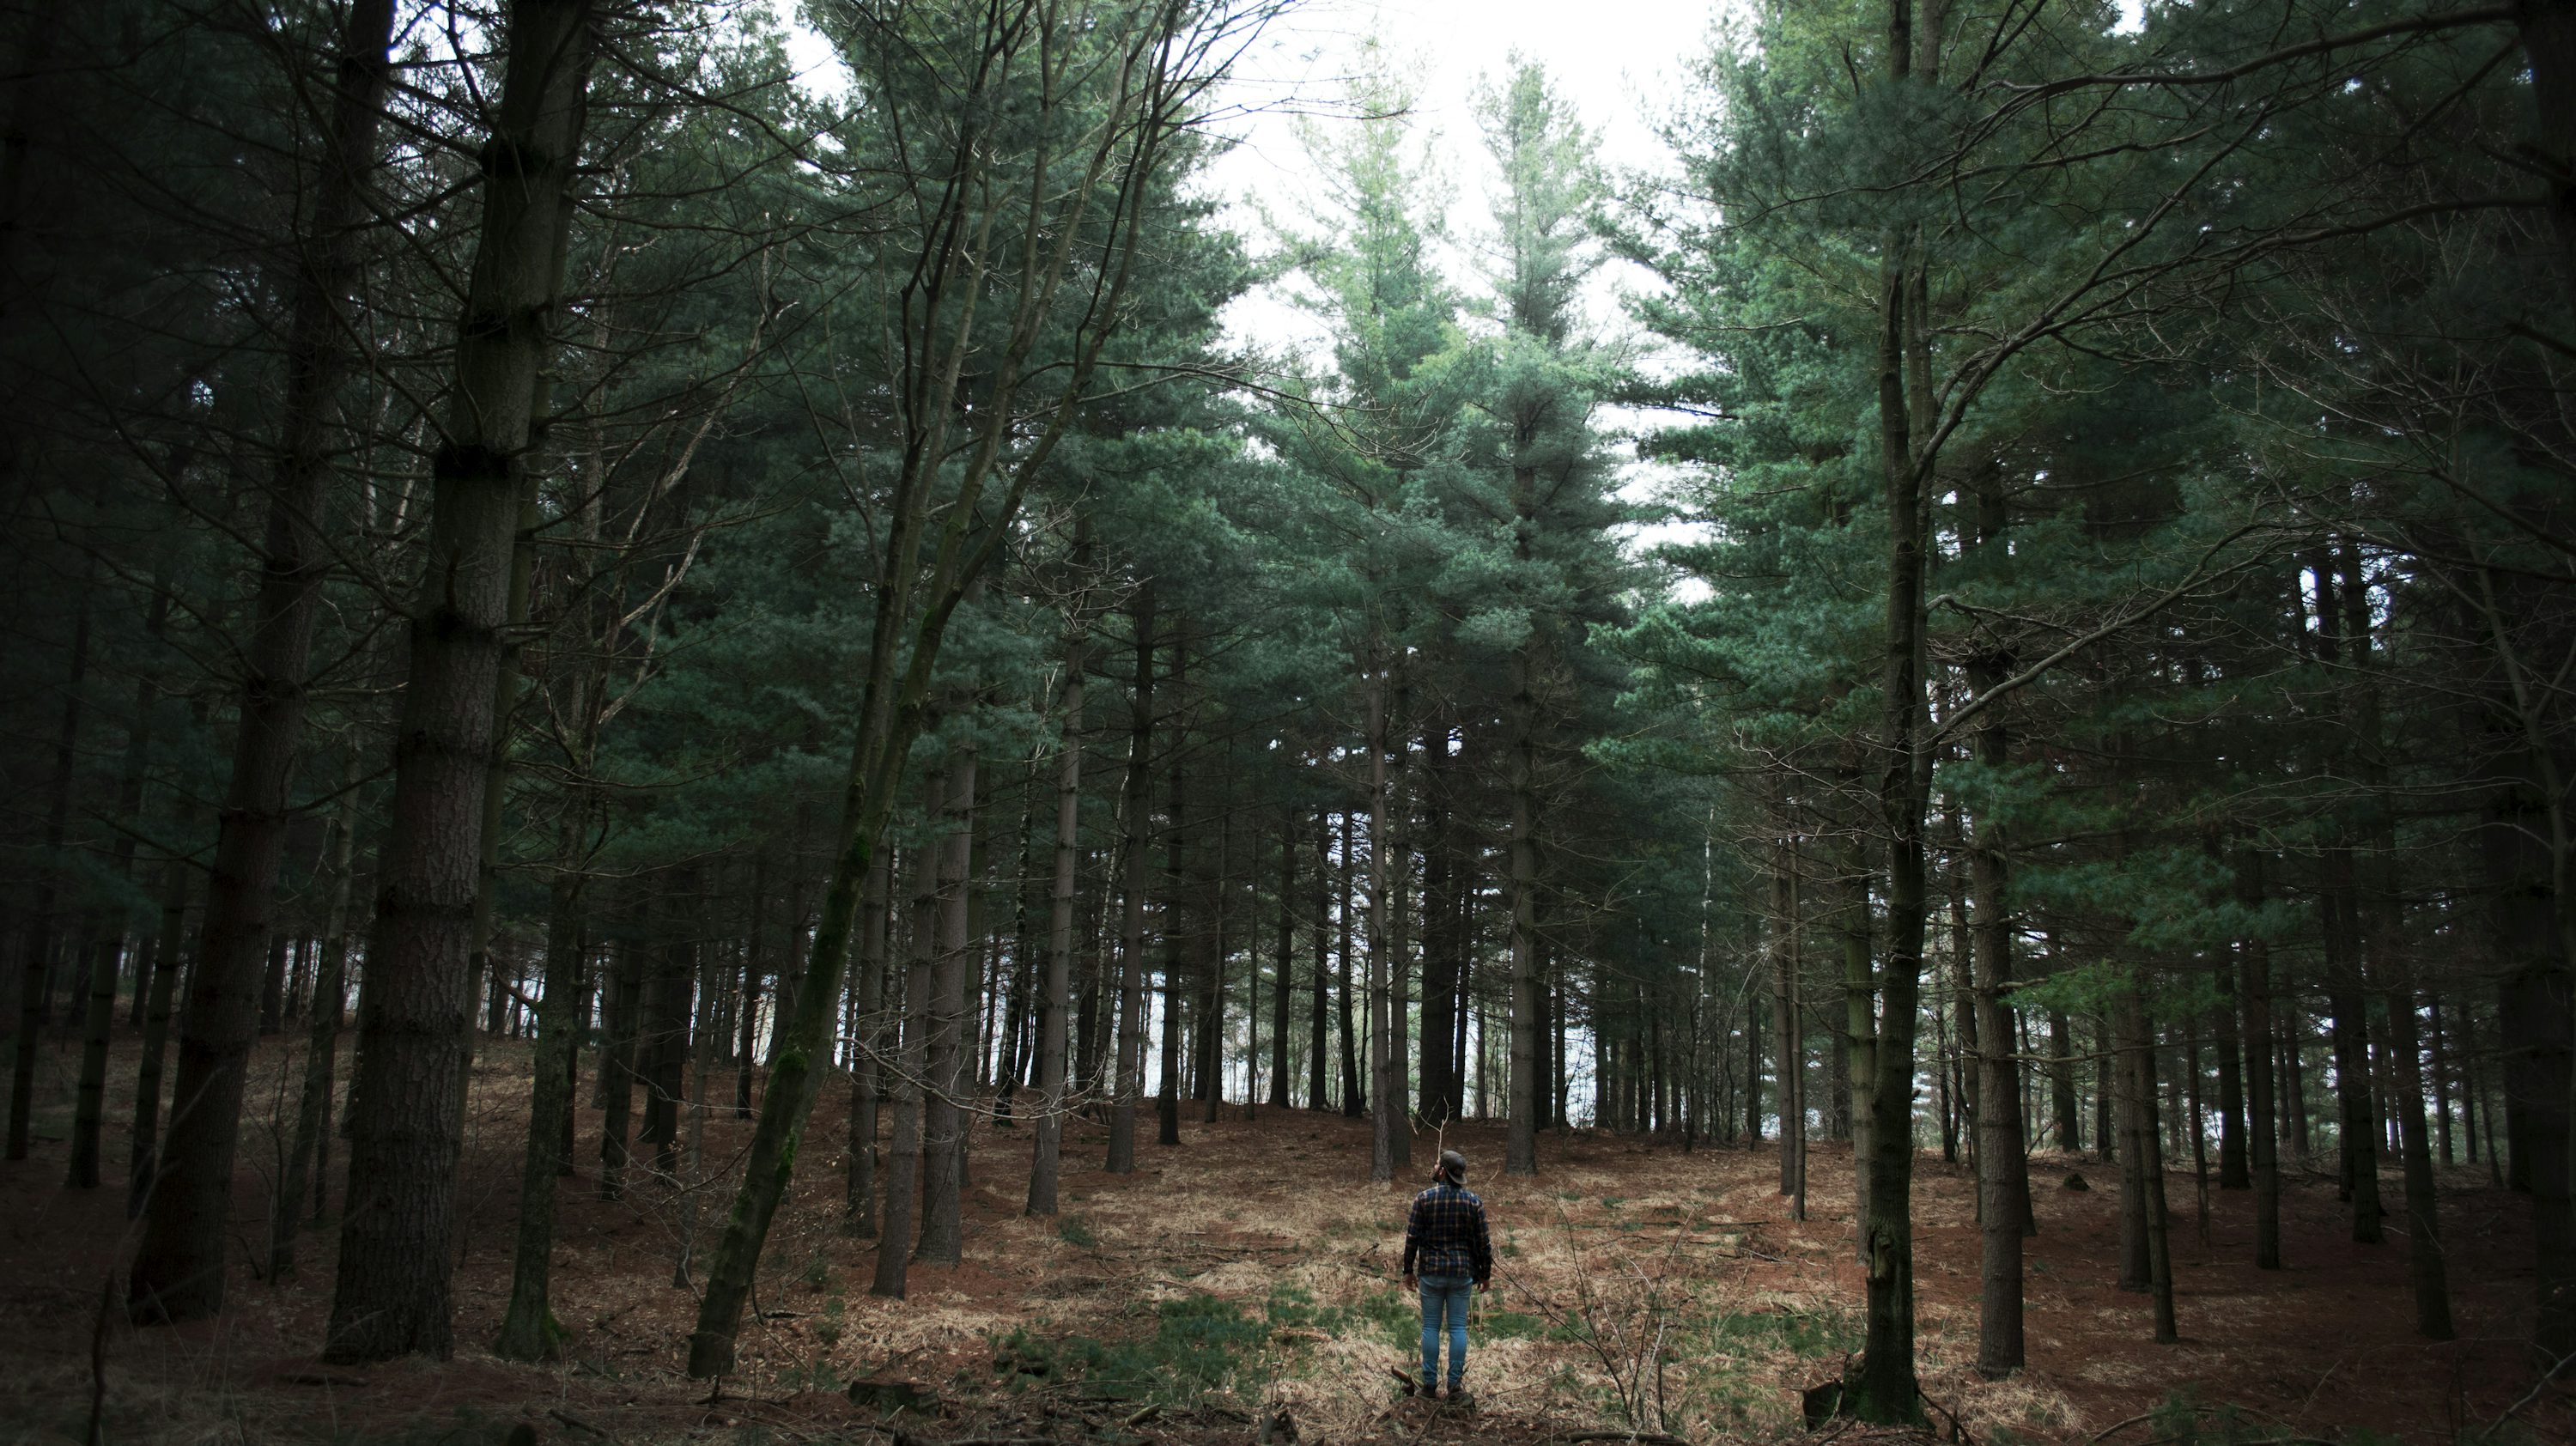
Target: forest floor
x,y
1251,1272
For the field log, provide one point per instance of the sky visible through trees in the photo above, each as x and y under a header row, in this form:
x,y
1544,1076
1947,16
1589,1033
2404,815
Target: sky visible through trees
x,y
827,605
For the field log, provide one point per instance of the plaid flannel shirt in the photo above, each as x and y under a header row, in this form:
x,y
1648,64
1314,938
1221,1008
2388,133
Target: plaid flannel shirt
x,y
1445,1235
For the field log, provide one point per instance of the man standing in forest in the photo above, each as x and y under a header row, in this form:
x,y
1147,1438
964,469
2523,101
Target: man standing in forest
x,y
1446,1249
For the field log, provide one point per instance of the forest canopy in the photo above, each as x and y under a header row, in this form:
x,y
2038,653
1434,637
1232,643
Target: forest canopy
x,y
2012,594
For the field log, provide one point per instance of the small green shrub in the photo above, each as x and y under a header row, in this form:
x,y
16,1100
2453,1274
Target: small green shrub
x,y
1199,1345
1073,1232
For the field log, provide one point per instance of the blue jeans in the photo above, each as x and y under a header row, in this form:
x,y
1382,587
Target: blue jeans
x,y
1444,1297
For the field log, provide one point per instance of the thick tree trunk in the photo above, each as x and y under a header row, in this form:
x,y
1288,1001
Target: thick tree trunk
x,y
1788,1051
867,1056
2003,1171
1885,1389
946,1110
395,1256
178,1269
2123,1050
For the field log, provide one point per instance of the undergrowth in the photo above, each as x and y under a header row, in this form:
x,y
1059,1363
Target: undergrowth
x,y
1201,1344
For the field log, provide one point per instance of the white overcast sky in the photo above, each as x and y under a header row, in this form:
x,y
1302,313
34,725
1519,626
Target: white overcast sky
x,y
1616,62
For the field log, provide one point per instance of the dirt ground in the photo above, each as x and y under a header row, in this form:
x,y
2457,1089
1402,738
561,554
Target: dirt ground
x,y
1258,1256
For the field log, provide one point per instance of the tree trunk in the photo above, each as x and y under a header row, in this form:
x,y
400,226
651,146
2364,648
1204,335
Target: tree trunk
x,y
2063,1108
1528,1083
1130,1083
529,1331
1886,1390
178,1270
1167,1113
90,1113
1788,1050
2123,1050
1046,1155
1287,962
313,1108
903,1162
2147,1151
617,1063
2234,1171
2424,1264
141,1161
35,979
395,1255
702,1036
1318,1008
2003,1170
945,1112
867,1054
755,959
1385,1098
1354,1098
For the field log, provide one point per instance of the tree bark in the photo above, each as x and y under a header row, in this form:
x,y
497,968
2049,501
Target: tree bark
x,y
2425,1269
2003,1170
2146,1151
1046,1153
35,977
143,1151
1528,1102
1788,1050
1385,1099
322,1036
529,1331
1354,1096
617,1067
903,1161
1130,1084
1318,1038
1886,1389
867,1066
945,1109
178,1269
1287,961
1167,1111
392,1294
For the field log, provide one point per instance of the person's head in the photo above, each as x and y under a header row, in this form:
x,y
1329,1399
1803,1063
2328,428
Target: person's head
x,y
1453,1167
